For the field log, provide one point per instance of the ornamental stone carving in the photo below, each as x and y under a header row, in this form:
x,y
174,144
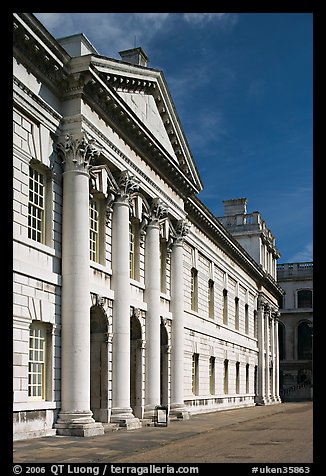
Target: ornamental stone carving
x,y
127,184
77,153
157,212
182,229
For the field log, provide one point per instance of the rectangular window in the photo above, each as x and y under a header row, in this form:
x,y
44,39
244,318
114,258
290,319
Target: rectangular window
x,y
236,313
210,298
237,377
194,290
225,307
212,375
36,206
255,325
226,376
247,378
163,256
36,364
246,319
195,360
93,231
132,250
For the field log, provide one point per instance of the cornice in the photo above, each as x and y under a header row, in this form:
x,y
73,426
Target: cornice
x,y
108,103
37,56
40,53
154,84
205,220
35,99
132,165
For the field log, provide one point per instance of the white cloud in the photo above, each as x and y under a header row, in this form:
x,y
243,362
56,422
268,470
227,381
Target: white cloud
x,y
108,32
304,255
203,18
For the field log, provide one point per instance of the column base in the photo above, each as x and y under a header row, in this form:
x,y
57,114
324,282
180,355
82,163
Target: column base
x,y
78,424
277,399
178,411
125,418
261,401
149,412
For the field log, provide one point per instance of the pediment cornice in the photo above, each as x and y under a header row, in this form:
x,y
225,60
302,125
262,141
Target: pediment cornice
x,y
152,82
107,102
37,56
38,51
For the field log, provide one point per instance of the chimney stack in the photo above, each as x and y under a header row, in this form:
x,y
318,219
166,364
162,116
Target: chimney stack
x,y
134,56
235,206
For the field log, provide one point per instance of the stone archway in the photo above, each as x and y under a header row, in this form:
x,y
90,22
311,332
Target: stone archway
x,y
99,385
135,367
164,378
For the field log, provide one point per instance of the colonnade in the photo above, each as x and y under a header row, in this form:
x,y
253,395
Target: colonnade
x,y
75,417
268,357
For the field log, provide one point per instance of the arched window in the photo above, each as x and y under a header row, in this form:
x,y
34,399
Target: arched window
x,y
225,307
246,319
226,376
236,313
281,340
237,377
305,298
212,375
195,362
210,298
305,341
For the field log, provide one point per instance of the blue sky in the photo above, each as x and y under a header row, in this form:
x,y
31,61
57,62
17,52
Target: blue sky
x,y
242,87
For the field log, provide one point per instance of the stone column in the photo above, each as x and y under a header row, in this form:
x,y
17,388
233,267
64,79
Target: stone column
x,y
75,417
153,320
277,359
273,357
267,354
260,400
177,408
121,411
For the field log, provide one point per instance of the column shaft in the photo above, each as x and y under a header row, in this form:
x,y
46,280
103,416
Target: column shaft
x,y
261,356
152,297
75,417
267,357
177,350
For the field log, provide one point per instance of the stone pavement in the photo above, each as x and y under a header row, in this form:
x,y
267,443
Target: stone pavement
x,y
142,444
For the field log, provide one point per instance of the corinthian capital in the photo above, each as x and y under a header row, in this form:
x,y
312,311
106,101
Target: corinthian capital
x,y
157,211
127,184
181,230
76,153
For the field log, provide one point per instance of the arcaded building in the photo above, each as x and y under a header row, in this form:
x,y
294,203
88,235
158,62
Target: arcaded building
x,y
296,330
128,292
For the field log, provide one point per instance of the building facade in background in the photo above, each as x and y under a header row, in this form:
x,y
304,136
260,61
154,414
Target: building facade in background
x,y
128,292
296,330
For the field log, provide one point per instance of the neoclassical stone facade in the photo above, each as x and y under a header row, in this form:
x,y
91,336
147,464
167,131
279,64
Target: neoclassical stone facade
x,y
128,292
296,330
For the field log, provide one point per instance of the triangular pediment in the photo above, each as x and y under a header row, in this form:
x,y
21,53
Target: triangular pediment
x,y
144,92
144,106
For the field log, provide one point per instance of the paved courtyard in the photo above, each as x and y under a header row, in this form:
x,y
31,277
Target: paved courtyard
x,y
280,433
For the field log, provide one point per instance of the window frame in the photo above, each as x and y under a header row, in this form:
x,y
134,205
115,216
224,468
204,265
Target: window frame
x,y
34,205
